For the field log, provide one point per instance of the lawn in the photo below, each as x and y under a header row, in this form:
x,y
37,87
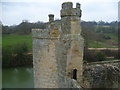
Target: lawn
x,y
12,40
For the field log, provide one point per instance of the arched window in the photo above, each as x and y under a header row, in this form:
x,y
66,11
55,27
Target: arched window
x,y
75,74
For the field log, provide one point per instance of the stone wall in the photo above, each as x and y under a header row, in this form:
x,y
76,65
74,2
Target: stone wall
x,y
45,67
102,75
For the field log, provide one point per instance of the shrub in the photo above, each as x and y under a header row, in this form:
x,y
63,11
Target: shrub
x,y
90,56
94,56
21,56
7,57
117,54
20,48
100,56
112,53
16,56
108,52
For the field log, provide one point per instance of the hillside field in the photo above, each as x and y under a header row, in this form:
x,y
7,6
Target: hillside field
x,y
12,40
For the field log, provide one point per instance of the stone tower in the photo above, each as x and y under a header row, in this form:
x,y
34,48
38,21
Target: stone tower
x,y
58,50
70,18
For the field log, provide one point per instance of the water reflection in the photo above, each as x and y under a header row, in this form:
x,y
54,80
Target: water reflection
x,y
21,77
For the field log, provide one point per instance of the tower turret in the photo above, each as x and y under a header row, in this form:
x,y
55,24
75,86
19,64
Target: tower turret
x,y
70,18
68,10
71,33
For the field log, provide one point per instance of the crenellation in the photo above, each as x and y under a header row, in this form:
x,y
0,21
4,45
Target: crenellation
x,y
67,5
77,5
68,10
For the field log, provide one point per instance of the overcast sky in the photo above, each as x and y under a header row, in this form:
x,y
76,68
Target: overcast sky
x,y
14,11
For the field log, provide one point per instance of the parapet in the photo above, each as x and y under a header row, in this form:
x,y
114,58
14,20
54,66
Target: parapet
x,y
68,10
40,33
67,5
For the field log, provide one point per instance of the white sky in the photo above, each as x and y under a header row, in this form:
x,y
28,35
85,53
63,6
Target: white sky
x,y
14,11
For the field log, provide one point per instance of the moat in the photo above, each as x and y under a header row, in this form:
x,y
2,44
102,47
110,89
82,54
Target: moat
x,y
96,75
21,77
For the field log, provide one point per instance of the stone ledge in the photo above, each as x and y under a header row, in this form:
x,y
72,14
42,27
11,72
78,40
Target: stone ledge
x,y
103,62
62,37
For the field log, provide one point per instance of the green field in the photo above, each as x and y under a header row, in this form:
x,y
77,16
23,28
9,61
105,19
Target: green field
x,y
12,40
104,44
112,43
96,44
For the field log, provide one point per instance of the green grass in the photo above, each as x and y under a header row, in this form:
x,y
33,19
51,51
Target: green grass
x,y
104,43
95,44
114,37
12,40
9,41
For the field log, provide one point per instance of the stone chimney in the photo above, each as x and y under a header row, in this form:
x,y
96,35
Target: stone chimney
x,y
51,17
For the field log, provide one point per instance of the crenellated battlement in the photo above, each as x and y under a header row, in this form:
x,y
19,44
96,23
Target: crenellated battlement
x,y
68,10
67,5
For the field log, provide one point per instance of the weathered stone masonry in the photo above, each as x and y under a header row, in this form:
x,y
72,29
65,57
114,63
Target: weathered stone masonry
x,y
58,50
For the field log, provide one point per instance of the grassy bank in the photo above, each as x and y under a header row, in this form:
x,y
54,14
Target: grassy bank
x,y
11,40
15,50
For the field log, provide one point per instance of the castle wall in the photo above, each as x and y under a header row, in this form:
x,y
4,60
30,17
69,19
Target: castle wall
x,y
105,74
44,61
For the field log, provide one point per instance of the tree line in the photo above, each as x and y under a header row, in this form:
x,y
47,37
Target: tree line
x,y
25,27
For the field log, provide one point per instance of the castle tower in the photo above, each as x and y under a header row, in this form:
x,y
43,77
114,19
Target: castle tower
x,y
58,51
71,30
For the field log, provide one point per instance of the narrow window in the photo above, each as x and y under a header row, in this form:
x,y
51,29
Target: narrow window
x,y
75,74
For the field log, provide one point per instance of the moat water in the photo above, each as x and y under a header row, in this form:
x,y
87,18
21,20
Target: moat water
x,y
21,77
99,75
